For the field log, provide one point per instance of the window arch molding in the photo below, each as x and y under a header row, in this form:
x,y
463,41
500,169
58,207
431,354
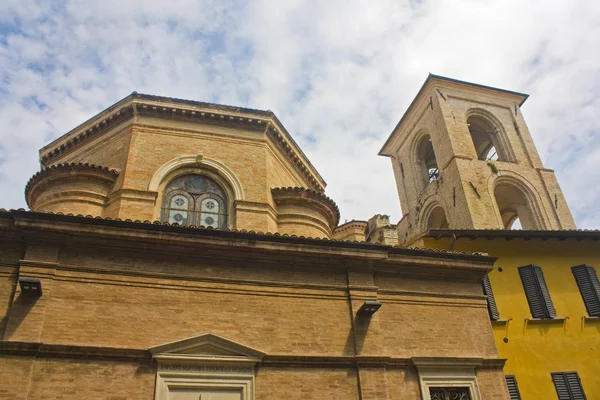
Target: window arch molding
x,y
201,163
195,165
500,140
419,168
518,182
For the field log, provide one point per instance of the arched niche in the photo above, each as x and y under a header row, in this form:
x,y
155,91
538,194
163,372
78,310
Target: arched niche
x,y
488,137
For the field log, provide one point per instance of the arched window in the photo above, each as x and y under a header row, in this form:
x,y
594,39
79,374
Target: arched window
x,y
437,219
195,200
514,208
485,139
426,159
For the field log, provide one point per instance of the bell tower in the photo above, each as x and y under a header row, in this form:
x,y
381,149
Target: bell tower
x,y
463,158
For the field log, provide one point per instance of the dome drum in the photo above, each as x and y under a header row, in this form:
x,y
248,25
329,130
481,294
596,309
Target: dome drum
x,y
71,188
305,212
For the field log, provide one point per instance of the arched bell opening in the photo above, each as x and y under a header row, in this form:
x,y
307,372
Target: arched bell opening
x,y
437,219
515,209
428,167
486,140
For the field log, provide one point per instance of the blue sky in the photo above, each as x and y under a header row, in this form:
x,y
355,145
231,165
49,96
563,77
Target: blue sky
x,y
338,74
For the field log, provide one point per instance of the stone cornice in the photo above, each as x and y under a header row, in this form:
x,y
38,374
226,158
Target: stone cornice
x,y
84,132
92,353
36,349
350,224
291,151
165,107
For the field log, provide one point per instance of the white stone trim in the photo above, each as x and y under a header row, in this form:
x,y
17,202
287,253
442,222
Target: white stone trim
x,y
205,362
205,377
441,372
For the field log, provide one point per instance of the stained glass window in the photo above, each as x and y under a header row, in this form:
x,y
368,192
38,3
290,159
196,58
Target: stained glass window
x,y
195,200
178,209
453,393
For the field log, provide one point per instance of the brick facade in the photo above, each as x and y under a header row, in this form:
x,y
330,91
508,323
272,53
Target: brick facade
x,y
112,290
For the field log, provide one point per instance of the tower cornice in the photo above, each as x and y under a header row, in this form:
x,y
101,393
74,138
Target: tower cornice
x,y
434,82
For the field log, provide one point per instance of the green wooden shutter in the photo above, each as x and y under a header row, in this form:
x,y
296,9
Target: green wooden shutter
x,y
537,292
545,293
568,386
492,308
513,388
575,387
589,286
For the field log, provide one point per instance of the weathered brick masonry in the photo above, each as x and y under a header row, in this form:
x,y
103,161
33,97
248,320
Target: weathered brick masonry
x,y
113,289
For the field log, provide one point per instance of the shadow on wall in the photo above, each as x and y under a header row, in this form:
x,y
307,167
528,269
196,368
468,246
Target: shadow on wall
x,y
16,314
356,340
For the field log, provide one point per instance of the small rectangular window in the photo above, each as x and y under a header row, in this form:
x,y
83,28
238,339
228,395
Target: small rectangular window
x,y
589,287
537,292
513,388
568,386
492,308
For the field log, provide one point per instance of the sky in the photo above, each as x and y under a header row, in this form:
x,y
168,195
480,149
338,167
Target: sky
x,y
338,74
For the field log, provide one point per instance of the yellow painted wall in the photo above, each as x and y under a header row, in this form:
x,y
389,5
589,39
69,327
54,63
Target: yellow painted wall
x,y
535,349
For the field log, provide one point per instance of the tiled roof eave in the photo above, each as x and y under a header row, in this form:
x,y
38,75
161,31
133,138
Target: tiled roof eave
x,y
233,233
577,234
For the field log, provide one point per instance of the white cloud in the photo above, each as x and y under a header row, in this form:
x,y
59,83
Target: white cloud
x,y
338,74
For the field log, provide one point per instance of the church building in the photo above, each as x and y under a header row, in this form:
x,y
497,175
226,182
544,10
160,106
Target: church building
x,y
178,250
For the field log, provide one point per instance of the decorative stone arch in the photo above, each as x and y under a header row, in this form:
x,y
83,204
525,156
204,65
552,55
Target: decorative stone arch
x,y
197,165
419,170
500,138
535,213
197,161
431,209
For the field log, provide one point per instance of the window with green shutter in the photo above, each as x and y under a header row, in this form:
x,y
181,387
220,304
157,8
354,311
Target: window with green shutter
x,y
568,386
537,292
513,388
587,280
492,308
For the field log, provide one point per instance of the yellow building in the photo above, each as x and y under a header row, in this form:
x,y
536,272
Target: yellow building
x,y
535,348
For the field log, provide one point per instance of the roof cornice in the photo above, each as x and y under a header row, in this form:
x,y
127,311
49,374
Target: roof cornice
x,y
166,107
442,79
508,234
83,223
